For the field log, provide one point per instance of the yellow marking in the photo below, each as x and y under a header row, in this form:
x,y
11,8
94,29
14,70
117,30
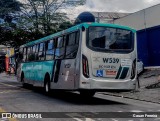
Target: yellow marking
x,y
10,119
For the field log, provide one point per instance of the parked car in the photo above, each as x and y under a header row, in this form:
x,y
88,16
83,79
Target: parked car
x,y
140,66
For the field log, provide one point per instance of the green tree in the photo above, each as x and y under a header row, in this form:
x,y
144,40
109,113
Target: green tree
x,y
37,19
9,6
15,38
46,15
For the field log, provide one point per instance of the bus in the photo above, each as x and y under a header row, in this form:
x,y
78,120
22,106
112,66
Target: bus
x,y
88,57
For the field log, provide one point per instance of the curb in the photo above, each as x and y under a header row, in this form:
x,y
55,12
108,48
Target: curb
x,y
123,96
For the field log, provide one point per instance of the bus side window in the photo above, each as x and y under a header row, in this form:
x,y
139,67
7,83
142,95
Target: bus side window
x,y
72,45
33,52
41,54
24,54
49,50
77,37
36,52
60,49
30,54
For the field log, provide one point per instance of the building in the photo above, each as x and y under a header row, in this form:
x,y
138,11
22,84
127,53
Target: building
x,y
102,17
107,17
147,24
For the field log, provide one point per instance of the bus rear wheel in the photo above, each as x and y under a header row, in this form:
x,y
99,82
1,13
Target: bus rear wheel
x,y
47,88
87,93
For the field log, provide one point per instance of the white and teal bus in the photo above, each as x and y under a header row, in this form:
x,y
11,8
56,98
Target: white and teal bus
x,y
88,57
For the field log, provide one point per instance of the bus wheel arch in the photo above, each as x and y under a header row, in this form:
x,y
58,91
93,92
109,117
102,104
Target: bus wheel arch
x,y
47,83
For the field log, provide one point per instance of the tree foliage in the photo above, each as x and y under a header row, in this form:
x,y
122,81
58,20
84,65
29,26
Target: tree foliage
x,y
36,19
46,15
9,6
17,37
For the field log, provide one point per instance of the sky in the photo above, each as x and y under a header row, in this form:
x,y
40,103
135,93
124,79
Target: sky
x,y
127,6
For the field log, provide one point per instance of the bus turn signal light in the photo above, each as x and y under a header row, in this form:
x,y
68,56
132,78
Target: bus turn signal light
x,y
85,66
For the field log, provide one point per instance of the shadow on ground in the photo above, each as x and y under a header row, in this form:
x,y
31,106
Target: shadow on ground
x,y
73,97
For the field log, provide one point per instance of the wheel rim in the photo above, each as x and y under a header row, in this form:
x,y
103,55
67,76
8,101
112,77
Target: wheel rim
x,y
46,87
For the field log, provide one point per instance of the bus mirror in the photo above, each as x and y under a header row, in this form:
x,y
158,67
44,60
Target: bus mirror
x,y
83,28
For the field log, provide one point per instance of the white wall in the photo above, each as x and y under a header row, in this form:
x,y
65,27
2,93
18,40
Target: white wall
x,y
142,19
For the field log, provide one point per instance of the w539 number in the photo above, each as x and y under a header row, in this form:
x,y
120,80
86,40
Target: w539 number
x,y
110,60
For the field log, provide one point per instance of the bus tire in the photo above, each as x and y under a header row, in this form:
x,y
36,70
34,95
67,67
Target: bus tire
x,y
47,88
22,80
87,93
137,85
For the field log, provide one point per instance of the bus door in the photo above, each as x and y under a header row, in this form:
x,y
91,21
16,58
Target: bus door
x,y
70,58
64,73
59,70
65,68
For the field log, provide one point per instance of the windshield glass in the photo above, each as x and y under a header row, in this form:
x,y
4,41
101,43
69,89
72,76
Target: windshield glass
x,y
105,38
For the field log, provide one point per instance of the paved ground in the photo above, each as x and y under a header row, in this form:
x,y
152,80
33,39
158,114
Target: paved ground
x,y
14,98
149,87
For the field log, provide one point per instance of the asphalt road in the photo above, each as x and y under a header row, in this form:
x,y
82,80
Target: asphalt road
x,y
68,106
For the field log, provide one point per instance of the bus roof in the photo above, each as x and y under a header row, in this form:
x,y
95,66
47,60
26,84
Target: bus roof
x,y
74,28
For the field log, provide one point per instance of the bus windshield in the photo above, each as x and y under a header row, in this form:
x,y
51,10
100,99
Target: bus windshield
x,y
107,38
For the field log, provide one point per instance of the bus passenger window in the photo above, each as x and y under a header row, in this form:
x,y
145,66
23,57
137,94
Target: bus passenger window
x,y
33,52
24,54
49,50
77,37
72,45
34,48
41,53
30,54
36,52
72,38
60,50
60,42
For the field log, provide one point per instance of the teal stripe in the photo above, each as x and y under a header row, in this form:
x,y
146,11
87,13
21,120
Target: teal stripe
x,y
119,71
124,72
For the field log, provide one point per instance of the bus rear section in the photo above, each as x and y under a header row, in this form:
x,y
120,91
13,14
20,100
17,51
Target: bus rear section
x,y
109,58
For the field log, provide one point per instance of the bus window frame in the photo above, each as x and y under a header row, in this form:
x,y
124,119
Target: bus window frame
x,y
37,50
42,51
52,49
110,50
61,47
75,43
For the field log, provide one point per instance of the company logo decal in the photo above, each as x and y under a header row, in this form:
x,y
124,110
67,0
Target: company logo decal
x,y
96,59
